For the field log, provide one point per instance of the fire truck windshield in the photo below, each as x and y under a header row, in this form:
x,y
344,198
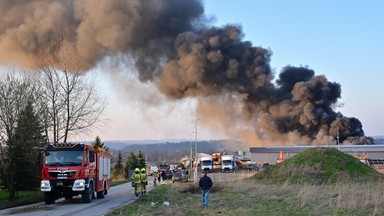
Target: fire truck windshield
x,y
59,158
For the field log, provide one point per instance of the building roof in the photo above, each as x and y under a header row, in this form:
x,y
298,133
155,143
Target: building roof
x,y
296,149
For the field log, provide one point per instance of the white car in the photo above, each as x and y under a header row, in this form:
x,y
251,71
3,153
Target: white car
x,y
153,168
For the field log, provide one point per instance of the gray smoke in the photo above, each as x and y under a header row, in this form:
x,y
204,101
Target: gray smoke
x,y
79,33
173,47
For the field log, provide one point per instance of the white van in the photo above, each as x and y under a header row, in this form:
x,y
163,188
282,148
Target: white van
x,y
153,168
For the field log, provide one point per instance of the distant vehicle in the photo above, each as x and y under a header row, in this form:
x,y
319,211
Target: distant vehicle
x,y
228,163
362,158
167,174
178,170
163,167
206,163
152,169
216,157
252,166
172,167
179,177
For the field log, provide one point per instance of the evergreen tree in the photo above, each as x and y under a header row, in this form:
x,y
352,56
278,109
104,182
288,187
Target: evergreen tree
x,y
118,169
141,163
135,161
131,162
29,140
98,143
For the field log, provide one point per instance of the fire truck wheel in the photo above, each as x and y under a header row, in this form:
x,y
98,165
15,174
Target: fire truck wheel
x,y
101,194
49,198
87,194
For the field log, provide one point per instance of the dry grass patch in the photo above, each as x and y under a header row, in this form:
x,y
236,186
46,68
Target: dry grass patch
x,y
250,197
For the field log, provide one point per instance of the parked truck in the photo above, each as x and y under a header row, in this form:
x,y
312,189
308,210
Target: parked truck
x,y
216,157
164,167
228,163
75,169
206,163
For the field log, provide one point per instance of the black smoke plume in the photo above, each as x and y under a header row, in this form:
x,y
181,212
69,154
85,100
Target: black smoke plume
x,y
173,47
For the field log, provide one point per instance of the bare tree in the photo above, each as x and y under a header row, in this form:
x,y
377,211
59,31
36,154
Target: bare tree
x,y
16,89
70,97
72,102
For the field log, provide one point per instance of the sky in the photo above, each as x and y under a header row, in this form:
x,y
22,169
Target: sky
x,y
342,40
339,39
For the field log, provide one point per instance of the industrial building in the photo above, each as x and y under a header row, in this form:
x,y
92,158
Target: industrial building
x,y
375,153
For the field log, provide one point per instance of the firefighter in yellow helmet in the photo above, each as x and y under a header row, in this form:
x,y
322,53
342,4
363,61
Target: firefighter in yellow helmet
x,y
136,181
154,177
144,181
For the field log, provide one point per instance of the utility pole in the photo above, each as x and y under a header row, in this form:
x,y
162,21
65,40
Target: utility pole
x,y
337,136
195,179
191,157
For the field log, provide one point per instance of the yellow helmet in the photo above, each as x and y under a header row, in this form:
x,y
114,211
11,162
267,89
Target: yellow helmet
x,y
143,170
137,170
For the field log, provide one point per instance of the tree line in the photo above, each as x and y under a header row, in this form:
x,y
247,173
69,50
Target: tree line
x,y
173,152
46,106
133,161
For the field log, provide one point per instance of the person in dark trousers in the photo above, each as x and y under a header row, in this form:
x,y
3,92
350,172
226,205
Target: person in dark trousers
x,y
205,184
163,175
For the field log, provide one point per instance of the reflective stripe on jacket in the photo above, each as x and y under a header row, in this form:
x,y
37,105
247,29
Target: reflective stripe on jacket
x,y
136,178
143,177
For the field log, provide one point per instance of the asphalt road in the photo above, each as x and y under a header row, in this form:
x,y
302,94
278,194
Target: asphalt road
x,y
117,196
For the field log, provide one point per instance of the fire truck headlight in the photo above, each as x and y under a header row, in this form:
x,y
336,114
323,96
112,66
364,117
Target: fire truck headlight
x,y
78,185
45,185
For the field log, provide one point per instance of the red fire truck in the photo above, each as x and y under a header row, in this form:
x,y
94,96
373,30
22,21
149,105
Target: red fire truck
x,y
75,169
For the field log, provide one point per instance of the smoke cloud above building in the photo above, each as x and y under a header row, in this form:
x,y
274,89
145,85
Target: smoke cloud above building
x,y
174,47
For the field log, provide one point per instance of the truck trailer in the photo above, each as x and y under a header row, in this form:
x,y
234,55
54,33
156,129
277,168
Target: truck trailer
x,y
228,163
206,163
75,169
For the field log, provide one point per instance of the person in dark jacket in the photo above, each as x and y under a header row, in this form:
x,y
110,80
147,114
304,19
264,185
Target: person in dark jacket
x,y
205,184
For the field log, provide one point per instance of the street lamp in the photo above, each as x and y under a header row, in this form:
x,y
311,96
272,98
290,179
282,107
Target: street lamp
x,y
190,146
338,137
196,135
195,179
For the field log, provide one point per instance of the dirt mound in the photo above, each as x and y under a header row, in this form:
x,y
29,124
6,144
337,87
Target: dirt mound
x,y
319,165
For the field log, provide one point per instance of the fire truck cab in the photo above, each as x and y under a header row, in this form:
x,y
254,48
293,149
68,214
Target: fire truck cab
x,y
75,169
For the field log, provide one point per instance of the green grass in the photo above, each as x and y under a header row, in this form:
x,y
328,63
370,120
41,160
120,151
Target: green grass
x,y
23,198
